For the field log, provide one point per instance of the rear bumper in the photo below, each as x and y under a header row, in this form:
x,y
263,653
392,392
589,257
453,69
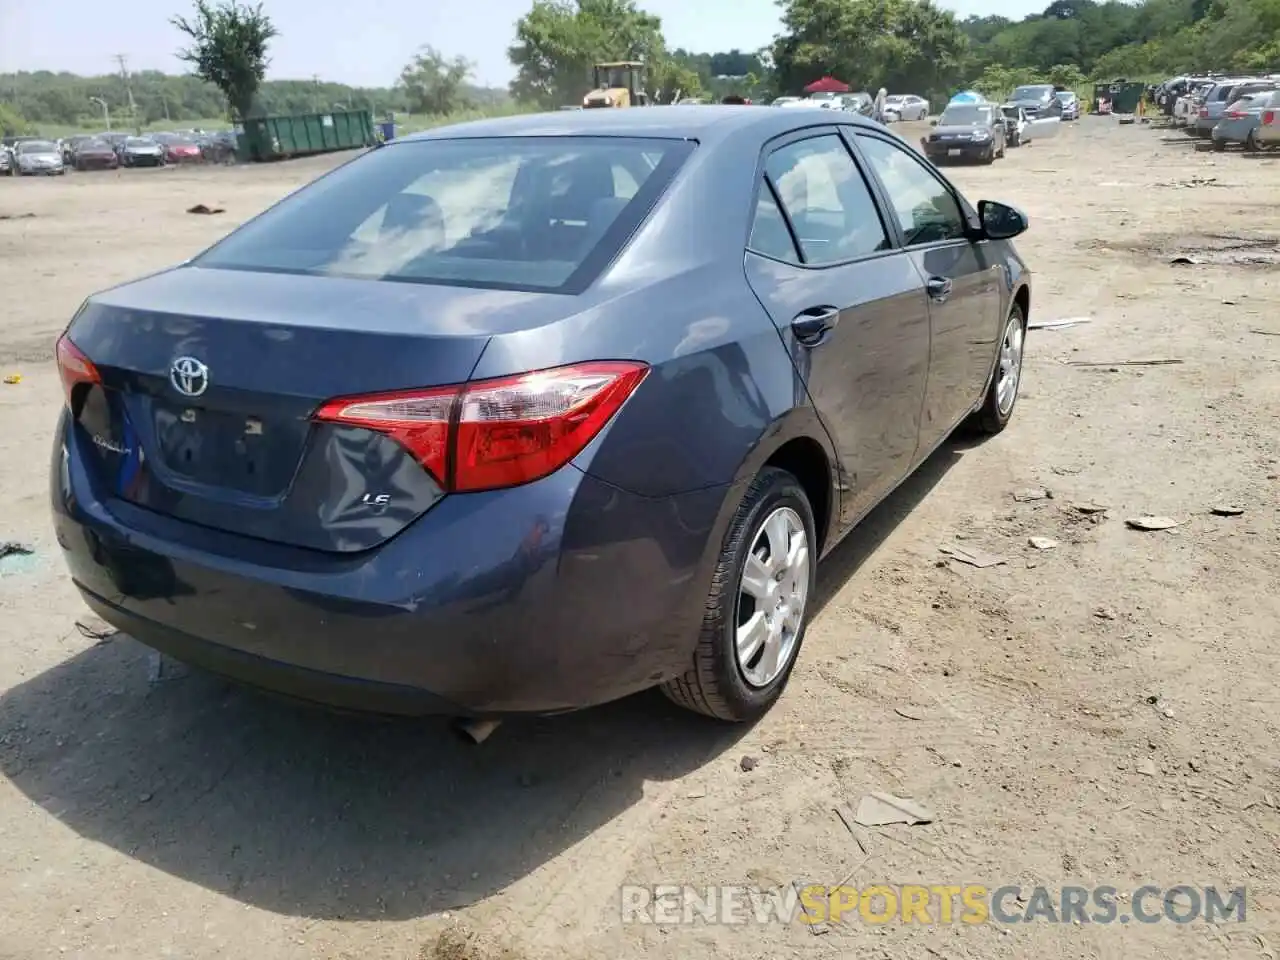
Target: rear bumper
x,y
958,151
1232,131
459,613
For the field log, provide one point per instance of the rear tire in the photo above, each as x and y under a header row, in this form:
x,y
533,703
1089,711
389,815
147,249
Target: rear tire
x,y
773,531
1251,142
1219,145
1002,395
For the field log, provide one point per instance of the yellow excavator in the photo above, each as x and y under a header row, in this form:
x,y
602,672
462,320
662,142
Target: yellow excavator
x,y
617,85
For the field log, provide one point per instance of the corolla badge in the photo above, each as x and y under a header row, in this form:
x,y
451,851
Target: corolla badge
x,y
189,376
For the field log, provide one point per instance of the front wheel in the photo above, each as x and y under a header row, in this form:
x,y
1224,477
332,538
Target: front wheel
x,y
1002,392
1251,142
754,622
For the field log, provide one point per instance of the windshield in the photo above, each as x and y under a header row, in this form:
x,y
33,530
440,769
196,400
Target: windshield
x,y
1033,92
526,213
37,146
1010,112
1065,95
93,145
138,142
964,115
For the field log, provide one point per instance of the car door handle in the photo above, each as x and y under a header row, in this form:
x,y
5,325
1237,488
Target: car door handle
x,y
939,288
812,326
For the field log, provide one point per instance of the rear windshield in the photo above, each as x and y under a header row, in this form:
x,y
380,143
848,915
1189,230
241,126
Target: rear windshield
x,y
964,115
1034,92
530,213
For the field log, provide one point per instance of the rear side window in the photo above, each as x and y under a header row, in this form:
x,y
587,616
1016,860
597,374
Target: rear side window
x,y
525,213
827,200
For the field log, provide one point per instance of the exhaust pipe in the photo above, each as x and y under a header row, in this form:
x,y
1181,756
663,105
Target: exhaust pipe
x,y
473,730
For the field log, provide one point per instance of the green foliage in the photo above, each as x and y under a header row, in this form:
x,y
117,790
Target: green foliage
x,y
903,45
557,41
53,101
434,83
229,49
12,123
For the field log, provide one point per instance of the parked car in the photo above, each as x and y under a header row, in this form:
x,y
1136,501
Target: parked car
x,y
177,149
1267,134
1240,121
1070,104
905,106
1186,108
36,157
1219,96
141,152
94,155
1037,100
786,101
69,145
860,103
966,131
396,445
6,162
1015,124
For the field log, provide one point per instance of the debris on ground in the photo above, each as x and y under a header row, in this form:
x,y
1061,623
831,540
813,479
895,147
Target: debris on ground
x,y
748,763
1159,362
458,942
881,809
1028,494
1089,507
201,208
1226,510
1147,767
17,216
909,713
1186,261
1042,543
847,817
97,629
1265,333
1147,522
1105,613
1058,324
12,548
971,555
1192,182
13,378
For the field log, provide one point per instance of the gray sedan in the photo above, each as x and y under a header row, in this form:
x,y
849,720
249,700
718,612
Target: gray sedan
x,y
542,410
35,157
1240,120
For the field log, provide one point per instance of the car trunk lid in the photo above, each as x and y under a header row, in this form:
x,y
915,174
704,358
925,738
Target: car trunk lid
x,y
210,379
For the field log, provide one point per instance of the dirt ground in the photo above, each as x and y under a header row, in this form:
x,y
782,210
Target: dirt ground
x,y
1103,712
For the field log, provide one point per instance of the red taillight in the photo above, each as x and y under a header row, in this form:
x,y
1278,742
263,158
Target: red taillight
x,y
1204,111
74,367
496,433
1236,115
1269,117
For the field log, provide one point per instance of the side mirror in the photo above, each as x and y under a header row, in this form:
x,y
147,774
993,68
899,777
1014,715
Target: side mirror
x,y
1001,221
933,123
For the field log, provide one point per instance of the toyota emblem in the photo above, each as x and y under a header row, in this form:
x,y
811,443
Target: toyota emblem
x,y
189,376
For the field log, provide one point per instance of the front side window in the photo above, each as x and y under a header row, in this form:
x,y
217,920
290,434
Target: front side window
x,y
827,200
926,211
518,212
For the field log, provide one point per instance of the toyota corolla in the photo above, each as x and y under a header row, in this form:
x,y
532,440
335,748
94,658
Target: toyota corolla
x,y
529,414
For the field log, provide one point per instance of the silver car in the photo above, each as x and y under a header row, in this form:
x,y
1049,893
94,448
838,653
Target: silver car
x,y
39,157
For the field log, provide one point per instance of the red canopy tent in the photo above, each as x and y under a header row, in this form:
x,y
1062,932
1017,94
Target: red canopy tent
x,y
827,85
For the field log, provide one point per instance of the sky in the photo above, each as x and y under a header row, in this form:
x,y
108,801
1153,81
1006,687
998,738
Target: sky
x,y
364,43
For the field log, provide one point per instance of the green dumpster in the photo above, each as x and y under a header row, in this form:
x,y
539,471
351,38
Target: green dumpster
x,y
276,138
1123,94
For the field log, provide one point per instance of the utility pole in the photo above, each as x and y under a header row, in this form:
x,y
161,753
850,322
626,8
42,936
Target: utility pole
x,y
123,61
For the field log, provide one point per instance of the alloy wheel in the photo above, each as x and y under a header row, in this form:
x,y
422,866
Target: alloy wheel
x,y
772,594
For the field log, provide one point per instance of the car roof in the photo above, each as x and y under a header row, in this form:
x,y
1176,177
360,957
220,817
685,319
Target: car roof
x,y
702,123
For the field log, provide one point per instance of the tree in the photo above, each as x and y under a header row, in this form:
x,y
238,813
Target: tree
x,y
433,83
904,45
557,41
229,49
